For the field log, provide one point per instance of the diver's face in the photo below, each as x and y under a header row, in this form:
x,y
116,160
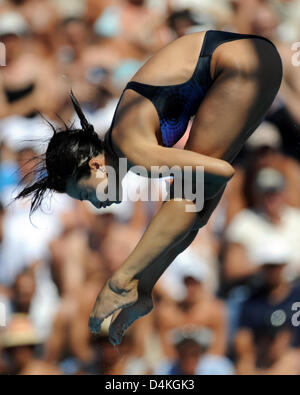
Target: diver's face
x,y
92,188
86,189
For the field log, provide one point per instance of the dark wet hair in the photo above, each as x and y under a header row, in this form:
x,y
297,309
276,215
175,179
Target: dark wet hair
x,y
67,156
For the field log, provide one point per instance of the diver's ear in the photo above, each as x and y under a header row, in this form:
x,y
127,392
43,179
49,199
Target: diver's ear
x,y
97,163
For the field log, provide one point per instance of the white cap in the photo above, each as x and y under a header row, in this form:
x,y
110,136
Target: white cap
x,y
18,133
201,335
12,23
272,250
265,135
268,179
198,273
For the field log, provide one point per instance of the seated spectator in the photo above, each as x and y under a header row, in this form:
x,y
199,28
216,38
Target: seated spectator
x,y
269,215
39,14
28,79
27,297
94,8
287,115
191,346
203,309
275,356
19,342
185,21
136,24
128,364
196,305
255,17
199,261
266,336
264,150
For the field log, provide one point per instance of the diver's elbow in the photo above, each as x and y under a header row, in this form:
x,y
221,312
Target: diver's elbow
x,y
227,171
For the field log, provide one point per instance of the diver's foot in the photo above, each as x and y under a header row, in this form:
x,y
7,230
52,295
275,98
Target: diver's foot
x,y
125,317
111,299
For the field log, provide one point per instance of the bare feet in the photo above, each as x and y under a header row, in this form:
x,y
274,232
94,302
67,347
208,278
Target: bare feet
x,y
125,317
110,299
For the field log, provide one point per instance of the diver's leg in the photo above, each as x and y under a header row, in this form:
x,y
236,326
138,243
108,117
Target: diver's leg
x,y
122,319
168,227
233,108
237,102
130,296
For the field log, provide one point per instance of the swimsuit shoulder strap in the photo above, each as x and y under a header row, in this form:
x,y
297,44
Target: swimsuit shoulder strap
x,y
108,144
145,90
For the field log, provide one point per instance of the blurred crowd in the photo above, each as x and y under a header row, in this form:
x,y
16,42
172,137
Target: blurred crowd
x,y
228,304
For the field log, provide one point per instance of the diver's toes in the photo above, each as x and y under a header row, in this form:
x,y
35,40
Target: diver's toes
x,y
115,341
115,334
95,325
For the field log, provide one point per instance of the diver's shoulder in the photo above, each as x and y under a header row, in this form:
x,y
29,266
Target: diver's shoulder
x,y
193,39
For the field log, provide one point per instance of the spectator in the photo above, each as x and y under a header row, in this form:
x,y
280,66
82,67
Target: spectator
x,y
191,358
264,151
202,309
135,22
26,297
183,21
20,342
267,336
26,80
269,215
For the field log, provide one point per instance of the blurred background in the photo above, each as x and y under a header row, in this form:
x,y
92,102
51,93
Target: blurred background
x,y
228,304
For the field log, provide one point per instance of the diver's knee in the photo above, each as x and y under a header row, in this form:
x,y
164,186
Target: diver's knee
x,y
200,222
213,188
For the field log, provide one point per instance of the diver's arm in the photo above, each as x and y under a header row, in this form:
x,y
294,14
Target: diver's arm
x,y
150,155
217,172
166,230
173,219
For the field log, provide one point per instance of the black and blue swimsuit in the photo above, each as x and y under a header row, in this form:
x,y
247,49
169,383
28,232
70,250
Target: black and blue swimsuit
x,y
177,104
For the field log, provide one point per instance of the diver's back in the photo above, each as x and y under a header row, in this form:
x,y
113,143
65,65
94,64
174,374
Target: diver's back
x,y
173,64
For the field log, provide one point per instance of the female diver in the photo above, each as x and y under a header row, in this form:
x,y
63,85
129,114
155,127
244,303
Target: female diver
x,y
228,88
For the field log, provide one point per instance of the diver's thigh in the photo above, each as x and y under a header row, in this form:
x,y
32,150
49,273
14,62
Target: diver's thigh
x,y
234,106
